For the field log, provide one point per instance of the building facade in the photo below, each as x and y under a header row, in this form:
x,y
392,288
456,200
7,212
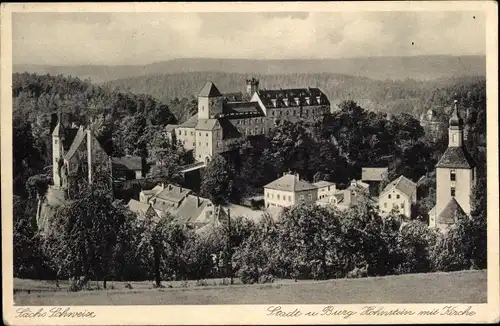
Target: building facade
x,y
289,190
455,178
221,119
398,196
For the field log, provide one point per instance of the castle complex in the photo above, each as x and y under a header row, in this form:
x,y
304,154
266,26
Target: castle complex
x,y
222,119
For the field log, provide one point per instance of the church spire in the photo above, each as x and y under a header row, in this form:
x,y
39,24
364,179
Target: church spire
x,y
455,129
59,129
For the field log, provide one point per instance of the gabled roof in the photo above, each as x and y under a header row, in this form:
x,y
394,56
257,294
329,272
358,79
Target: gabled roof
x,y
373,174
190,210
190,123
173,193
210,90
207,124
290,182
450,213
142,209
457,158
403,184
133,163
79,138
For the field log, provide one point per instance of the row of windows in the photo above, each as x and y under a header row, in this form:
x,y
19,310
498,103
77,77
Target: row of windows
x,y
250,121
395,205
206,144
294,112
192,133
397,196
289,197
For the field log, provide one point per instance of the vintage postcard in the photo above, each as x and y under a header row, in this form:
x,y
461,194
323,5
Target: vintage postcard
x,y
250,163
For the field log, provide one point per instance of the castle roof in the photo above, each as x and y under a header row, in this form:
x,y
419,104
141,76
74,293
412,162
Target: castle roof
x,y
210,90
190,123
279,95
457,158
403,184
238,110
373,174
450,213
290,182
58,130
207,124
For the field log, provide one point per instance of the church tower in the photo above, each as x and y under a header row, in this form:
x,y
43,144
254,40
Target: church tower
x,y
252,86
210,102
58,138
455,176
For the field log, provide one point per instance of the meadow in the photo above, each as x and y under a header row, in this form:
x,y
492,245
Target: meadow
x,y
453,287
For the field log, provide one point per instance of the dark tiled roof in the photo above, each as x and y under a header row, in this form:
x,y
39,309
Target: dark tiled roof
x,y
450,213
233,97
173,193
210,90
456,157
290,182
403,184
238,110
190,123
373,174
133,163
266,96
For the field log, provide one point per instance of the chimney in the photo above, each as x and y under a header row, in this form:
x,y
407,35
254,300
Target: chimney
x,y
308,100
198,201
285,100
297,176
318,98
162,185
273,100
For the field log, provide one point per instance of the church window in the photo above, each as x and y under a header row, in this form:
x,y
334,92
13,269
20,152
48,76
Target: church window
x,y
397,196
185,133
199,133
278,196
206,134
55,141
452,175
472,171
180,132
452,192
389,196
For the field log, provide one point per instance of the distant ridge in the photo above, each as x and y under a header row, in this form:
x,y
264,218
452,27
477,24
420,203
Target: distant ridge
x,y
381,68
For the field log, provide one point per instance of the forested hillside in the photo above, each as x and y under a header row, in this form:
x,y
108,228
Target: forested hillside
x,y
415,67
408,96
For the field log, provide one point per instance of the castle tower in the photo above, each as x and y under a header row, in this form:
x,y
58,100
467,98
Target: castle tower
x,y
57,151
252,86
455,174
210,102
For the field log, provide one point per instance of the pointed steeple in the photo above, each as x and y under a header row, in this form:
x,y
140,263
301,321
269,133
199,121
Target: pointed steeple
x,y
210,90
59,129
455,119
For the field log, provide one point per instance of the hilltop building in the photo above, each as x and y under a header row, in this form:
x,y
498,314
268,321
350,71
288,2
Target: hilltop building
x,y
455,178
398,196
221,119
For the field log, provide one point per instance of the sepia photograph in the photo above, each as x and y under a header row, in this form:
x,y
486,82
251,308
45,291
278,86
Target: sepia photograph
x,y
249,157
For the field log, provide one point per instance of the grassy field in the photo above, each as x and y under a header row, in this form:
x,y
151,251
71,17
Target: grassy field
x,y
456,287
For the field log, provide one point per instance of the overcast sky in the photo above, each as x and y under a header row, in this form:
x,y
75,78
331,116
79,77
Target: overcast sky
x,y
140,38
